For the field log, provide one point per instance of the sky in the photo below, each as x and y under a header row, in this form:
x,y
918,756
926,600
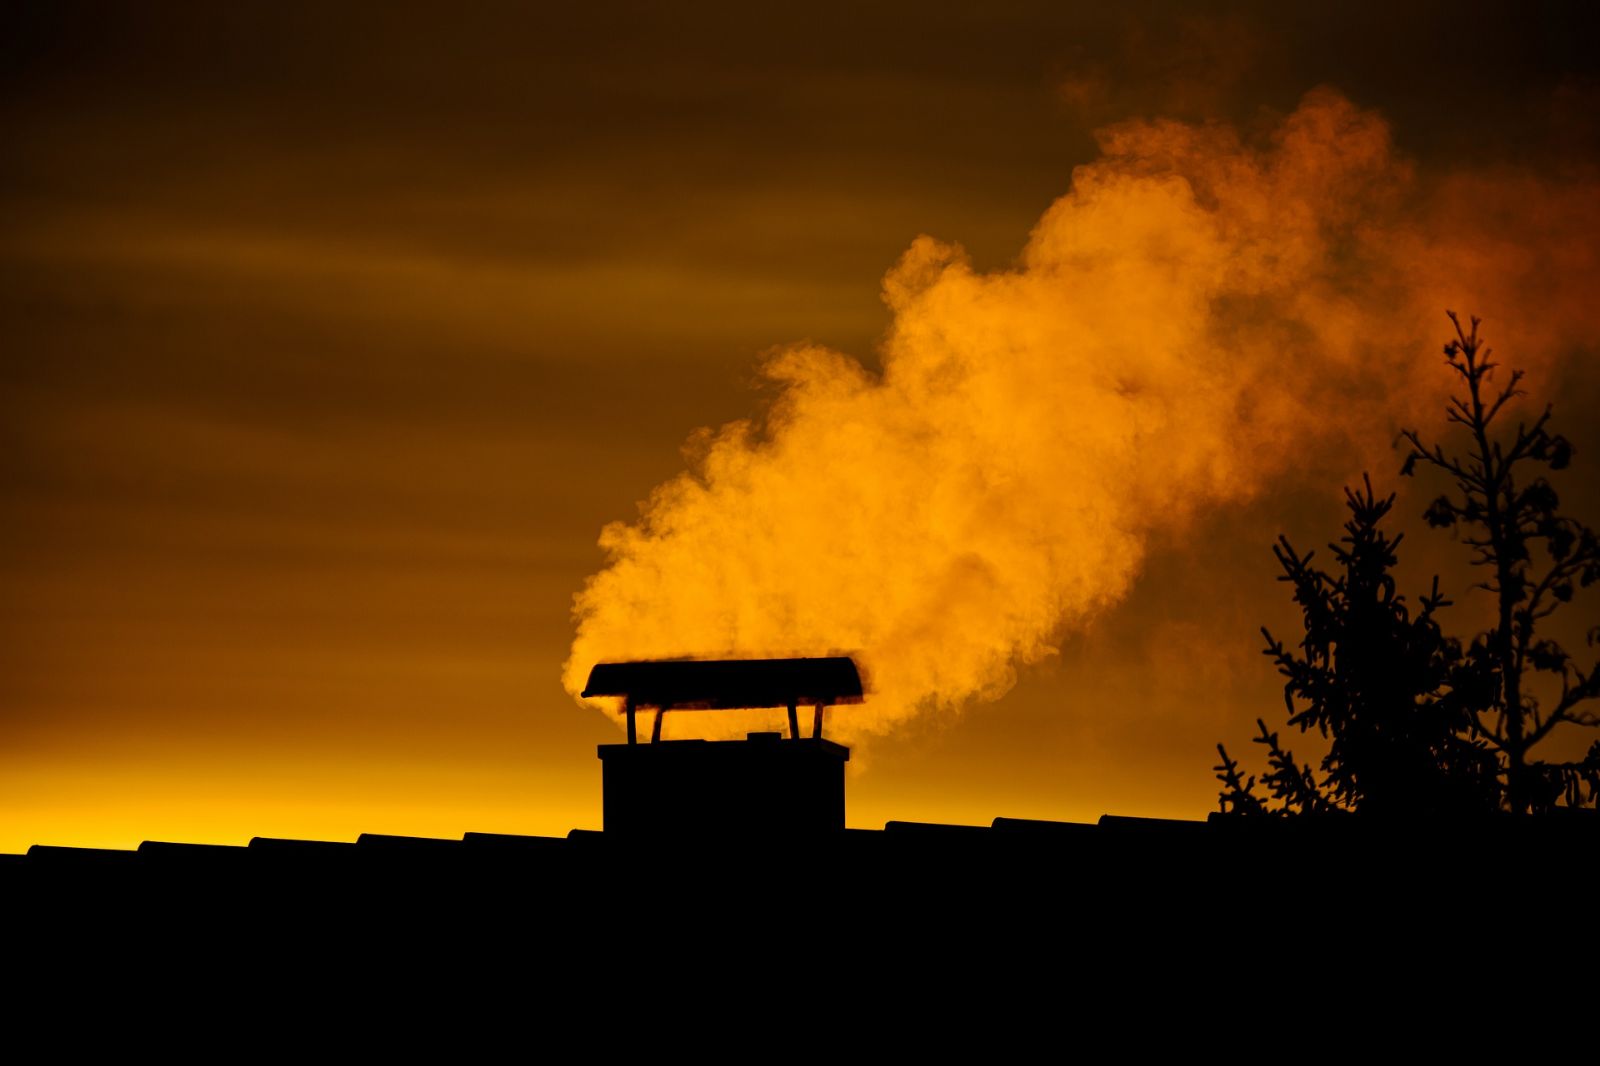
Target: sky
x,y
333,339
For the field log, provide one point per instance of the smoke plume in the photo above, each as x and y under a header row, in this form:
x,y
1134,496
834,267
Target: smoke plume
x,y
1200,315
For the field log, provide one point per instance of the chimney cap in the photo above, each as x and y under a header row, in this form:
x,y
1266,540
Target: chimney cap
x,y
720,684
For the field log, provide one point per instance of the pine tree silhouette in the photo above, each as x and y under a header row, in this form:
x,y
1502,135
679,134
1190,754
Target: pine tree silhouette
x,y
1418,724
1373,679
1536,558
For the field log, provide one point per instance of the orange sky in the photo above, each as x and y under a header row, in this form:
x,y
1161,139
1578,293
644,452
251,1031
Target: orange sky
x,y
332,341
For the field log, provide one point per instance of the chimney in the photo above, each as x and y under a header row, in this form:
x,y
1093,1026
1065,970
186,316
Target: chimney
x,y
767,784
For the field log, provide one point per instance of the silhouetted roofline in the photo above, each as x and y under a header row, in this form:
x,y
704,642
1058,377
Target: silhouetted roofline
x,y
1575,825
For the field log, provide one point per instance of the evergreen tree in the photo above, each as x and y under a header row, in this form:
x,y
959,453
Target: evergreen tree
x,y
1535,560
1415,722
1372,679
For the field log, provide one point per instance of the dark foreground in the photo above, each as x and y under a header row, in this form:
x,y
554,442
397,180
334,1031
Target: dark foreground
x,y
1008,902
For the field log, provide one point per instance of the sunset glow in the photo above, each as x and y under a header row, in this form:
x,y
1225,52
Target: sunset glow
x,y
371,376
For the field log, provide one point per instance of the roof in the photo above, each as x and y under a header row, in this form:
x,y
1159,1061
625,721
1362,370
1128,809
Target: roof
x,y
714,684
